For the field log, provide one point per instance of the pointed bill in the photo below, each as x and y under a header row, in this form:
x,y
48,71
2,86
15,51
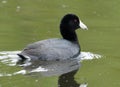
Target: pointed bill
x,y
83,26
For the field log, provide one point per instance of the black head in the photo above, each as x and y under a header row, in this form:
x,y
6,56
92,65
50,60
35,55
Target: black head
x,y
69,24
70,21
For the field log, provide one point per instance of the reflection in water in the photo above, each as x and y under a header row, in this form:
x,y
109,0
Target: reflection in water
x,y
67,80
66,69
51,68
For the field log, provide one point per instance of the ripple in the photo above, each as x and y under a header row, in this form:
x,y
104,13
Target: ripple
x,y
4,1
10,58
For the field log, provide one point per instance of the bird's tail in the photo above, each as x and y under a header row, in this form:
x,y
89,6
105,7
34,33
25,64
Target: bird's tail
x,y
22,59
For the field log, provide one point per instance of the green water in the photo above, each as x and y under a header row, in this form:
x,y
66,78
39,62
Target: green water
x,y
27,21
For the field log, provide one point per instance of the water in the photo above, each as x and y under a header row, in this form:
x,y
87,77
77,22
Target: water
x,y
64,69
10,58
27,21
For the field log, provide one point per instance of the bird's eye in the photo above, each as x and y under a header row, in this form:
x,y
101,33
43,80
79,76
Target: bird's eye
x,y
75,20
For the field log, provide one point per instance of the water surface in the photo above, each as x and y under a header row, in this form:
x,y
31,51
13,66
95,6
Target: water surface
x,y
64,69
10,58
27,21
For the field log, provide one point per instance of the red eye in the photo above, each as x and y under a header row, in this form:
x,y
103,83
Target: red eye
x,y
75,20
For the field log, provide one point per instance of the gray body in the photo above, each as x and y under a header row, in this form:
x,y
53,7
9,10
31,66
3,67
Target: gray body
x,y
51,50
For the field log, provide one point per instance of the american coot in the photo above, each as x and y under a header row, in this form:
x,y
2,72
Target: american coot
x,y
56,49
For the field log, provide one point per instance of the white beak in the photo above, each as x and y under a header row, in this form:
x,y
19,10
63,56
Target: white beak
x,y
83,26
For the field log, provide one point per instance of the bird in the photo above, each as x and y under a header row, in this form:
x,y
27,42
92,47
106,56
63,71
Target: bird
x,y
56,49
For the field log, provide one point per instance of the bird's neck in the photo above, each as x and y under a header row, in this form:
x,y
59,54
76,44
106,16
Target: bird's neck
x,y
69,35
